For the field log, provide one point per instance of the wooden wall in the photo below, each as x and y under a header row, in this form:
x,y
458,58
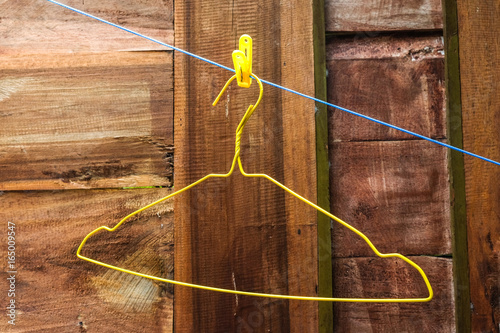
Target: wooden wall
x,y
86,110
387,62
88,107
87,121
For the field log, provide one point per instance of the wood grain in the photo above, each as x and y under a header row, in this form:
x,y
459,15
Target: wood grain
x,y
458,214
325,274
380,46
387,184
57,292
40,27
392,278
224,240
86,121
480,84
397,81
378,15
244,233
299,159
396,192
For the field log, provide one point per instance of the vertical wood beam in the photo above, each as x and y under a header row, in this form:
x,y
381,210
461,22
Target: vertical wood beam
x,y
456,162
480,88
241,233
325,282
298,73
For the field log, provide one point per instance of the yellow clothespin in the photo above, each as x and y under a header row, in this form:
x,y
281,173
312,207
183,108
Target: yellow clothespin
x,y
242,60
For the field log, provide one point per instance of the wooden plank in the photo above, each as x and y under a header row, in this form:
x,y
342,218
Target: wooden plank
x,y
299,159
457,172
245,233
86,121
480,76
388,278
325,276
378,46
377,15
403,87
396,192
57,292
40,27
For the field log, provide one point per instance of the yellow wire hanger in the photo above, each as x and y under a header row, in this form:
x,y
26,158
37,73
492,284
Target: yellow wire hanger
x,y
242,61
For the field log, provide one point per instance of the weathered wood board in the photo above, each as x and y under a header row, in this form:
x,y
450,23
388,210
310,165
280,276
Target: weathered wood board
x,y
392,278
389,185
395,80
86,121
299,159
378,15
242,233
461,279
480,87
396,192
375,45
57,292
76,113
40,27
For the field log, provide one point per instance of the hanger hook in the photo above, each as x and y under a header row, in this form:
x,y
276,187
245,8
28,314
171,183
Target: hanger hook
x,y
261,90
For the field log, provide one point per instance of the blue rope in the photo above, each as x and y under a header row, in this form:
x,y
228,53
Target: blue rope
x,y
278,86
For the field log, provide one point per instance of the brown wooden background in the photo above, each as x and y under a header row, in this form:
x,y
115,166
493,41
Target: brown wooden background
x,y
91,115
388,63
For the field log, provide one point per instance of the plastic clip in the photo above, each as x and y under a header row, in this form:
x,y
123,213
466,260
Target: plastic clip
x,y
242,60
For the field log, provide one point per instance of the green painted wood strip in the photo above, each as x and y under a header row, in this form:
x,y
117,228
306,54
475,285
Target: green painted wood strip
x,y
322,171
457,174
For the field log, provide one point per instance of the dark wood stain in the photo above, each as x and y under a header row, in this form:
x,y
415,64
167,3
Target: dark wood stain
x,y
394,191
391,186
375,277
406,93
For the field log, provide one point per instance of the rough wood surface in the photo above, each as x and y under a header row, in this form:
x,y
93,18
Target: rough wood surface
x,y
380,46
86,121
38,26
458,214
378,15
387,184
396,192
245,233
401,84
57,292
325,273
299,159
392,278
480,77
